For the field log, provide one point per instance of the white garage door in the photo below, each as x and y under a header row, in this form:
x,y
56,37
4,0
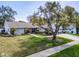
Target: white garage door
x,y
19,31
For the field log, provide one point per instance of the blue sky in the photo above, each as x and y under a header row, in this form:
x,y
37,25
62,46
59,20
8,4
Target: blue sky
x,y
26,8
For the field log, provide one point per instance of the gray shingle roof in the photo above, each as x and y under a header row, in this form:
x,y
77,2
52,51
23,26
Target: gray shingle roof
x,y
16,24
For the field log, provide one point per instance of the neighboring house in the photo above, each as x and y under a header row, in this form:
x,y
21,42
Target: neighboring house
x,y
19,27
70,29
53,27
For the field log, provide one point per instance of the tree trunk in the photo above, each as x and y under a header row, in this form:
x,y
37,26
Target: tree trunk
x,y
54,38
77,30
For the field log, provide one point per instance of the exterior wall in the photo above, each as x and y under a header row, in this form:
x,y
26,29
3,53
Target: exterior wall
x,y
41,30
71,29
6,27
1,29
19,31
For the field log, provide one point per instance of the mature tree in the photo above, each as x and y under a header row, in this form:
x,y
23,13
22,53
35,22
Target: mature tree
x,y
51,14
76,23
36,20
64,24
72,16
6,13
69,11
33,19
66,17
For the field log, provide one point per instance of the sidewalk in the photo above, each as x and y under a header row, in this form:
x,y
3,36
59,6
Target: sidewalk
x,y
53,50
56,49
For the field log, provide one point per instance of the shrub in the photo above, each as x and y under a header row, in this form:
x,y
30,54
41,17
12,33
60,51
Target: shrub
x,y
13,31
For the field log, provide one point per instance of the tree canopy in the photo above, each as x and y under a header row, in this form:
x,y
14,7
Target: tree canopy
x,y
7,13
52,13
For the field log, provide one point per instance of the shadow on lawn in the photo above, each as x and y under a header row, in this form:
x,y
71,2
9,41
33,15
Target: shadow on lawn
x,y
36,44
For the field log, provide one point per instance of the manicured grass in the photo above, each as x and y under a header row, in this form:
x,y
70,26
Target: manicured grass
x,y
24,45
69,52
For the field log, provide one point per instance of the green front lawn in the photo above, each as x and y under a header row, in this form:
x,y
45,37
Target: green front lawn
x,y
24,45
69,52
75,34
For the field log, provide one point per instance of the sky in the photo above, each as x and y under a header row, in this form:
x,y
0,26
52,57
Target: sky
x,y
27,8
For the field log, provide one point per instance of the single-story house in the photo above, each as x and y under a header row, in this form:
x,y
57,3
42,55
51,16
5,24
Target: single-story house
x,y
20,27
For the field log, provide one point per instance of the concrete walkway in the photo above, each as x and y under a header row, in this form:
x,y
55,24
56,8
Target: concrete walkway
x,y
57,49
